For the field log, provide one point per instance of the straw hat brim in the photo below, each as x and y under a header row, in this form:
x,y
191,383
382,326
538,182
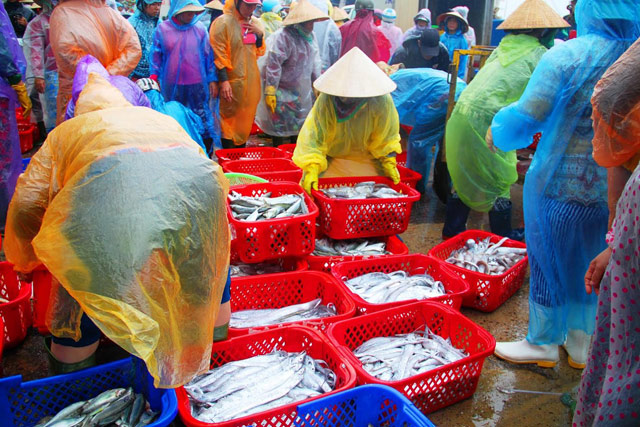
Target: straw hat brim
x,y
191,8
533,14
338,14
214,5
304,11
444,16
354,76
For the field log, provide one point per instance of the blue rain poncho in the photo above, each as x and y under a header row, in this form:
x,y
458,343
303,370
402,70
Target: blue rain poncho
x,y
291,65
183,61
479,175
565,191
453,42
328,36
145,26
12,65
421,100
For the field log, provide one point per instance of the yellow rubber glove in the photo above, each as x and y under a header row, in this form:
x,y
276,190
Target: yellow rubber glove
x,y
310,180
270,98
23,98
390,168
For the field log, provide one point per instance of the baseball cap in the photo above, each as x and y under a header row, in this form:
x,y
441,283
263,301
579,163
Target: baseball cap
x,y
430,42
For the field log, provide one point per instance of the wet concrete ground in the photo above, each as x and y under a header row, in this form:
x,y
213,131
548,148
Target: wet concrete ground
x,y
489,406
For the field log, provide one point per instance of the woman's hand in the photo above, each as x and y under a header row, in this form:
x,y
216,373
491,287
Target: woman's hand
x,y
225,91
596,271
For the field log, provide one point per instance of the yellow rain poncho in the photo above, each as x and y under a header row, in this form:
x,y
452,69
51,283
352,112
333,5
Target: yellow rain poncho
x,y
128,214
348,147
90,27
240,61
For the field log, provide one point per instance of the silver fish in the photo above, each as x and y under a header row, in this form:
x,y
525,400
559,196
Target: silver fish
x,y
362,190
257,384
243,270
380,288
330,247
263,207
487,258
402,356
293,313
111,407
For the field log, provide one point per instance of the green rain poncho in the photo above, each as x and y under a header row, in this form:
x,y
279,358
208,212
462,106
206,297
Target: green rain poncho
x,y
480,176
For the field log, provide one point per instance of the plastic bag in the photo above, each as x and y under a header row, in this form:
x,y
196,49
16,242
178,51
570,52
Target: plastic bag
x,y
146,260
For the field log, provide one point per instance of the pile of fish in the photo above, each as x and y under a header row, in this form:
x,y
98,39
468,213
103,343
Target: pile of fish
x,y
117,407
362,190
263,207
487,258
274,316
330,247
380,288
403,356
243,270
249,386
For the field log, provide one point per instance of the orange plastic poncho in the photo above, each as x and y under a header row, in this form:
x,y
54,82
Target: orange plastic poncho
x,y
89,27
240,60
616,113
128,214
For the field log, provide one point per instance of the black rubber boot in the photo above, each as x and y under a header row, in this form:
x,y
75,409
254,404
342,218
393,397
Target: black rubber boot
x,y
455,221
500,221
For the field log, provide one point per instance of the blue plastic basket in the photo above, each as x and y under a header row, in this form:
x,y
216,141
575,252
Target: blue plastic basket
x,y
369,405
24,404
25,163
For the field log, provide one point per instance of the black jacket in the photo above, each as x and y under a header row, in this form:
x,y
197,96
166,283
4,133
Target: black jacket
x,y
410,56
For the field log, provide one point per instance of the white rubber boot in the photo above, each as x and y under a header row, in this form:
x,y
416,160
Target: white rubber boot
x,y
522,352
577,346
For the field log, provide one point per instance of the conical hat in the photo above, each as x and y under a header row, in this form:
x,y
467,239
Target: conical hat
x,y
215,5
354,76
304,11
339,14
533,14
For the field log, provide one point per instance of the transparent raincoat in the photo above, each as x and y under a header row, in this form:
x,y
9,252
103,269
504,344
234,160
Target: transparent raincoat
x,y
292,64
393,33
183,60
12,64
145,26
565,191
349,146
361,32
479,175
240,61
90,27
426,14
421,99
616,113
128,214
271,22
37,47
328,36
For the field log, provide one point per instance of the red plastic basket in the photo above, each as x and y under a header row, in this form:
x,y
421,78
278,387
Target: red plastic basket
x,y
401,159
283,289
414,264
27,134
324,263
251,153
351,219
255,129
430,390
15,314
288,149
291,339
257,241
487,292
409,177
273,170
41,295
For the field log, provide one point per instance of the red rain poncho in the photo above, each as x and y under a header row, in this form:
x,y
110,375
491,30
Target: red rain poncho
x,y
363,33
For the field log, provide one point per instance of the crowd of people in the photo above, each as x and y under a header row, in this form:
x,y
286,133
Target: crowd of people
x,y
100,88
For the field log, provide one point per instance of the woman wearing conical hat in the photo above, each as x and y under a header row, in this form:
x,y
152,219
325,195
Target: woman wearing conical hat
x,y
482,178
292,64
353,127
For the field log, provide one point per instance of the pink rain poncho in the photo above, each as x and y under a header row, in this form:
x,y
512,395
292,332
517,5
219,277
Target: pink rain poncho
x,y
362,33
